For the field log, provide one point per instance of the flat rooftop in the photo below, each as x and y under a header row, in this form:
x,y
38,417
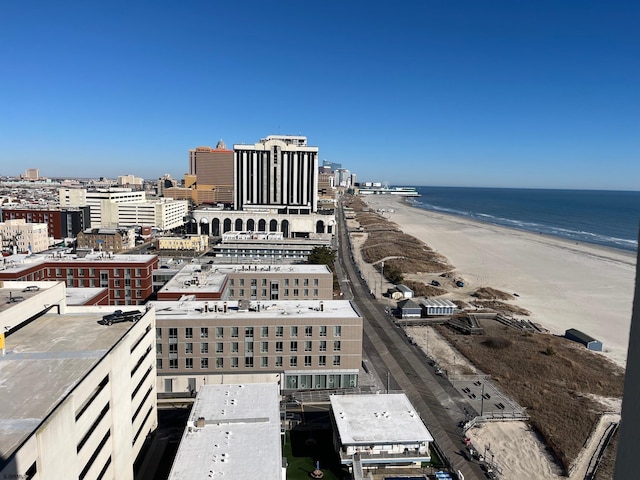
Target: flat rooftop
x,y
23,261
194,278
172,309
43,362
239,436
378,418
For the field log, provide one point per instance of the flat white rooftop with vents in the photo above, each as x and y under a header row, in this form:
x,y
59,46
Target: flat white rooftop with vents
x,y
233,432
377,419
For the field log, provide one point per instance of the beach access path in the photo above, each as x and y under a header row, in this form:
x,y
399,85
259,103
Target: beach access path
x,y
563,284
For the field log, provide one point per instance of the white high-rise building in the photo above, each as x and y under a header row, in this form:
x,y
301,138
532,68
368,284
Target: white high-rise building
x,y
280,171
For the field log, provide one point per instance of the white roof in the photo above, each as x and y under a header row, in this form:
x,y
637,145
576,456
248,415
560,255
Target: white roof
x,y
240,438
187,308
437,302
377,419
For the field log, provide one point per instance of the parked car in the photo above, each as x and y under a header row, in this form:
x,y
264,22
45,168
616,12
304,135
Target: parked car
x,y
435,283
120,316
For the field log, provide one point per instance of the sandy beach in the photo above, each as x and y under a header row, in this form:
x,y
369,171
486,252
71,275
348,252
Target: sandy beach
x,y
563,284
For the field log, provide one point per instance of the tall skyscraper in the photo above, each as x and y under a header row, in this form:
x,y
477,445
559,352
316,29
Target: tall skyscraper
x,y
280,171
213,169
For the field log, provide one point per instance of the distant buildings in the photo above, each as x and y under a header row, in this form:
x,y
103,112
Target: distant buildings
x,y
113,240
61,222
18,236
123,207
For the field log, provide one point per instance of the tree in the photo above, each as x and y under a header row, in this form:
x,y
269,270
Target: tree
x,y
322,256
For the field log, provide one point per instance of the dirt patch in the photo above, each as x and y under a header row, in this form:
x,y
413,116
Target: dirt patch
x,y
556,388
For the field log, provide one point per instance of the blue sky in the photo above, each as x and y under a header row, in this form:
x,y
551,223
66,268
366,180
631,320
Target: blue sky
x,y
466,93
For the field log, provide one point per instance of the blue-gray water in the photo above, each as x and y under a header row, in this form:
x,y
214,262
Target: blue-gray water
x,y
602,217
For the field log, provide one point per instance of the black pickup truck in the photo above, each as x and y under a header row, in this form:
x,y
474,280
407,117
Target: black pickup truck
x,y
120,316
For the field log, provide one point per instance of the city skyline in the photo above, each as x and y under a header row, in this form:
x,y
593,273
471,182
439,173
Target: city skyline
x,y
491,95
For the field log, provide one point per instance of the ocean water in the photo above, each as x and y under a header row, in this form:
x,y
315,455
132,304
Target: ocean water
x,y
602,217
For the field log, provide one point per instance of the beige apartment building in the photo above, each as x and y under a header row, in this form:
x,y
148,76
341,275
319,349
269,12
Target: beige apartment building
x,y
18,236
301,344
250,282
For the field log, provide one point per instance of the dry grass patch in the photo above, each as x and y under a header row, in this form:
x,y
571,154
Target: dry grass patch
x,y
501,307
547,375
488,293
421,289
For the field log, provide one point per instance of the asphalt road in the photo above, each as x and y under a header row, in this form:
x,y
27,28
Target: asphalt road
x,y
403,366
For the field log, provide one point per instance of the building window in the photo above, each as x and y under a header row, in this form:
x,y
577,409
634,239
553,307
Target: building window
x,y
241,282
296,292
263,282
278,361
293,361
286,292
232,282
264,332
159,348
308,331
158,333
188,347
264,293
294,331
173,363
248,332
307,346
315,292
234,332
296,282
336,360
234,362
307,360
204,348
323,331
219,332
188,332
336,345
306,282
278,346
204,363
248,362
241,293
264,347
322,361
219,362
264,362
173,333
286,282
188,363
219,347
204,332
173,348
294,346
234,347
159,363
337,331
279,331
323,346
315,282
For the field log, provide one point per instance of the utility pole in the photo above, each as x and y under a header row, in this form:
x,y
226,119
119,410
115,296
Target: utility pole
x,y
381,278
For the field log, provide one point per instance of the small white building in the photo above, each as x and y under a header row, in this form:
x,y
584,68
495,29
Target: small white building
x,y
233,431
405,291
373,430
437,306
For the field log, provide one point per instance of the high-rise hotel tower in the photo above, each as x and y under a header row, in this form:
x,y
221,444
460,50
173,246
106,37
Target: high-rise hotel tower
x,y
280,171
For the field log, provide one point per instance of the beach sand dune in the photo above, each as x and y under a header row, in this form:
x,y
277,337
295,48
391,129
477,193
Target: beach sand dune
x,y
563,284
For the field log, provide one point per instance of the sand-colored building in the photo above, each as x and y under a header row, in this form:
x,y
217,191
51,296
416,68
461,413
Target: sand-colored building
x,y
78,398
18,236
